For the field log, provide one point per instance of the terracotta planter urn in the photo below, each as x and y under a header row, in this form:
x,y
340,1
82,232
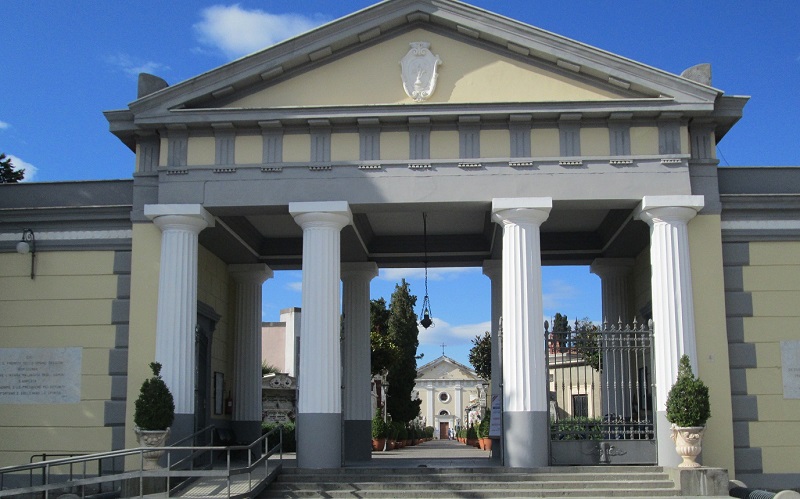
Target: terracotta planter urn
x,y
378,444
688,444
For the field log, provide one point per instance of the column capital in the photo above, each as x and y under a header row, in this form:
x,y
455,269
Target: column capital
x,y
192,217
331,214
670,209
255,273
611,267
493,269
521,210
355,270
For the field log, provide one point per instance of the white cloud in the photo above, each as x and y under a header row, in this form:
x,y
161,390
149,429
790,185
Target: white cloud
x,y
558,294
4,125
30,170
457,334
295,286
236,31
133,66
434,274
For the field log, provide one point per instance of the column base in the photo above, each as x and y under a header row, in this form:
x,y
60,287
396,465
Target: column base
x,y
319,440
357,441
525,439
667,456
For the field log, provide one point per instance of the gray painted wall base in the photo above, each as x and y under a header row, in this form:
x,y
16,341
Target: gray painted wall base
x,y
319,440
497,451
357,441
700,481
246,431
182,426
526,439
667,456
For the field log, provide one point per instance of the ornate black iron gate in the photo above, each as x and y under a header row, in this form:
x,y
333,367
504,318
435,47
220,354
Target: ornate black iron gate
x,y
600,384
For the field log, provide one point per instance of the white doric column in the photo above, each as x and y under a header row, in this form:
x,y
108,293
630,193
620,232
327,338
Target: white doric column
x,y
493,269
176,317
617,379
247,405
525,405
357,368
673,306
319,418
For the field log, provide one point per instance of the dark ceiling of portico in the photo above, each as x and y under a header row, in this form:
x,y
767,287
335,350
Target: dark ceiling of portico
x,y
458,235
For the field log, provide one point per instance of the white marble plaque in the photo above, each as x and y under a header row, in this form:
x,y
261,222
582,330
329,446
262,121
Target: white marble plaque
x,y
40,375
790,362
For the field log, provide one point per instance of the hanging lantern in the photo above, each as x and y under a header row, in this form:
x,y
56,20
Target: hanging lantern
x,y
426,321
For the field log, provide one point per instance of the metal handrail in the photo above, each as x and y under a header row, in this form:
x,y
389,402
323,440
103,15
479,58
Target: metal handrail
x,y
169,472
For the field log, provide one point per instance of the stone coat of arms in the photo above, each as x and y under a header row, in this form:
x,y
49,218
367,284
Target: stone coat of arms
x,y
419,70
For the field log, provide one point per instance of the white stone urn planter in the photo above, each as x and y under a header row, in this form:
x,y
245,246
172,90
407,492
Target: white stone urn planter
x,y
688,444
151,438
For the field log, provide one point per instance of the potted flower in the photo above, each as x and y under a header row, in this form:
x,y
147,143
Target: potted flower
x,y
154,412
688,409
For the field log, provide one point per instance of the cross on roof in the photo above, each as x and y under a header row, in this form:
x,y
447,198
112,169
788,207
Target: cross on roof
x,y
443,345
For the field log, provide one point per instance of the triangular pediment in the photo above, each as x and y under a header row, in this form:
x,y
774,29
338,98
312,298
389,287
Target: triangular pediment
x,y
487,58
445,368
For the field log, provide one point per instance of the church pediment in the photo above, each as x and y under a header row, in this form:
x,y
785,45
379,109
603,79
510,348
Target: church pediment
x,y
485,58
445,368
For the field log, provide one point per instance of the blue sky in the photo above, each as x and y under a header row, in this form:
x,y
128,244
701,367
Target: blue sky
x,y
64,63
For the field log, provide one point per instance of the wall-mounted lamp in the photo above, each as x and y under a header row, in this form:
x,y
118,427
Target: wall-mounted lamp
x,y
28,245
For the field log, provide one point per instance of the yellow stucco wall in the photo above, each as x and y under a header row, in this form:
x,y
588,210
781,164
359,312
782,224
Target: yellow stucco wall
x,y
705,246
162,152
145,267
595,142
215,288
248,150
468,74
545,142
773,280
200,151
345,147
495,143
68,304
444,145
644,140
296,148
394,145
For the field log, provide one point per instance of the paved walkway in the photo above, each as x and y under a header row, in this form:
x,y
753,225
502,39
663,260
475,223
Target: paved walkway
x,y
432,454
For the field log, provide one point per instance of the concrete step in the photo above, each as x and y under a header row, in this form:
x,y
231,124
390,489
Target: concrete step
x,y
411,483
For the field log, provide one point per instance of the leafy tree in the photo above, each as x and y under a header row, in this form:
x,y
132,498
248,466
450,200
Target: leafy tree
x,y
8,175
403,332
587,342
384,351
480,355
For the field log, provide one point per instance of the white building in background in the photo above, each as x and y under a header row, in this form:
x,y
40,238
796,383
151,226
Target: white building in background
x,y
447,388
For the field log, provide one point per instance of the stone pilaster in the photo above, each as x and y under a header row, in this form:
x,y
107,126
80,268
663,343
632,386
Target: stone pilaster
x,y
525,405
493,269
430,414
356,279
177,303
459,405
247,405
319,418
673,305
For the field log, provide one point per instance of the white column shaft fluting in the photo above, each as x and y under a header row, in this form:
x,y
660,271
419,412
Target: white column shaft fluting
x,y
177,297
673,304
524,363
493,269
247,405
356,279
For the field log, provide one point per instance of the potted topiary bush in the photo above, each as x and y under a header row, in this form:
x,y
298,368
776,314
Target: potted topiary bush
x,y
154,412
688,409
379,432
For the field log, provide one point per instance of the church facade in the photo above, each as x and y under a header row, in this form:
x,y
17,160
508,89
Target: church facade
x,y
522,148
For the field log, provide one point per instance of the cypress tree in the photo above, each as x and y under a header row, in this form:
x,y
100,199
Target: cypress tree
x,y
403,332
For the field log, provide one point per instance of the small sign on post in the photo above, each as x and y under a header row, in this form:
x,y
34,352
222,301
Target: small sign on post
x,y
495,423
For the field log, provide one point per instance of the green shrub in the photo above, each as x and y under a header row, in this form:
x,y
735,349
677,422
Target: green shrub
x,y
379,427
402,433
472,433
429,430
688,401
483,427
288,429
155,408
578,428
